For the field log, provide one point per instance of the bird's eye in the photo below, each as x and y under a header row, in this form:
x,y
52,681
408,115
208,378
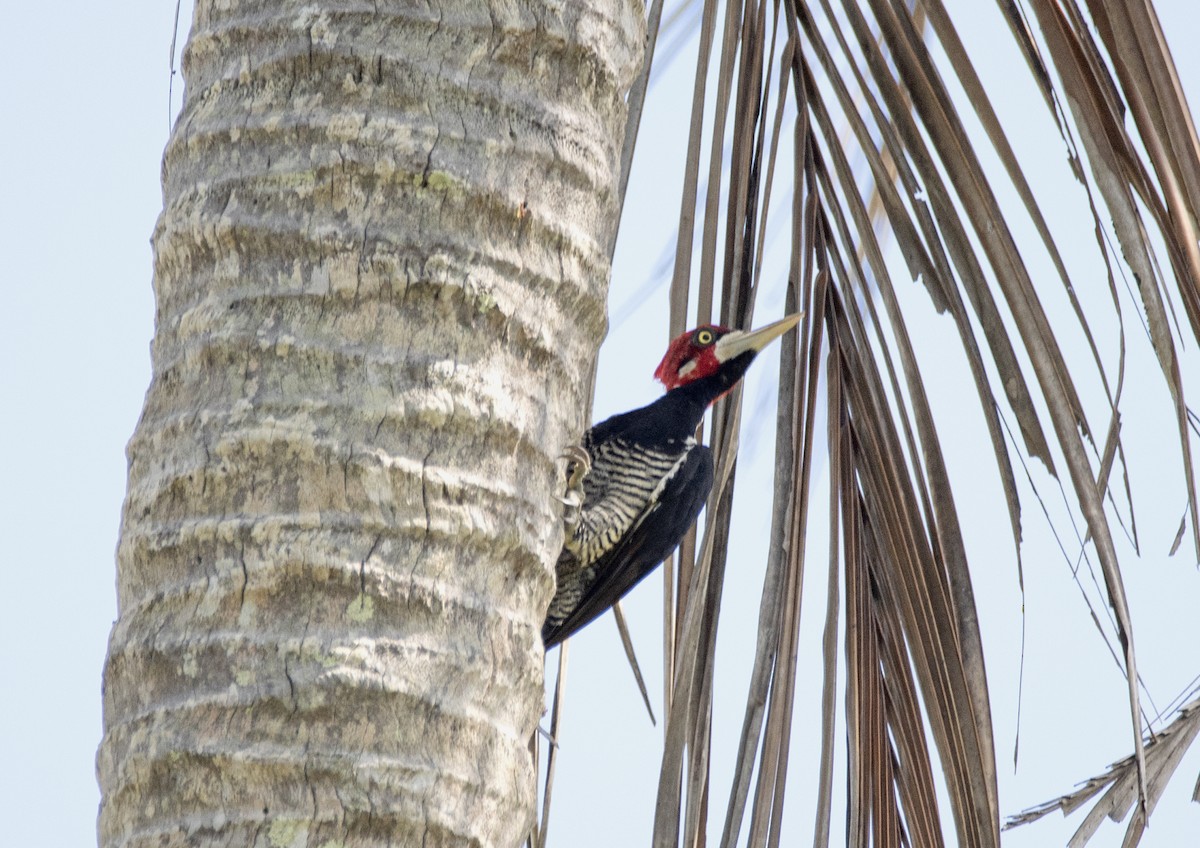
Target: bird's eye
x,y
705,337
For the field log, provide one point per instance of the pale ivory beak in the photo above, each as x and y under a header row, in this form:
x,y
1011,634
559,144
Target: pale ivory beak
x,y
738,342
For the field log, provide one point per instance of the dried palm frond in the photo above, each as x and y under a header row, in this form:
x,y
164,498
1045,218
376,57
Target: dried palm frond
x,y
851,110
1164,750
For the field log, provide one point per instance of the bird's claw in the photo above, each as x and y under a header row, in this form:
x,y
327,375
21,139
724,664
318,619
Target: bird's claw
x,y
579,463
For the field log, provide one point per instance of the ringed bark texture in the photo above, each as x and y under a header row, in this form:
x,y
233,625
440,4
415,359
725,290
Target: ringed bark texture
x,y
380,275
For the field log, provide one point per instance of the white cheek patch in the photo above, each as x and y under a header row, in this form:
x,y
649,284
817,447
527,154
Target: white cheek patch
x,y
688,368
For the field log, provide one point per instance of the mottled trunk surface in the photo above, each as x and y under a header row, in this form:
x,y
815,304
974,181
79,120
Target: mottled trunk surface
x,y
380,271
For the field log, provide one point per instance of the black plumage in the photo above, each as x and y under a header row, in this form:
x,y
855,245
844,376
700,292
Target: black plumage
x,y
644,477
648,481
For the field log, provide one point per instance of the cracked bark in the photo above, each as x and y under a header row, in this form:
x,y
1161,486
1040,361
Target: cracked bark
x,y
380,274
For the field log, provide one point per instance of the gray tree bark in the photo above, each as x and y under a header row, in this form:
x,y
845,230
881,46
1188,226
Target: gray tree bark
x,y
380,275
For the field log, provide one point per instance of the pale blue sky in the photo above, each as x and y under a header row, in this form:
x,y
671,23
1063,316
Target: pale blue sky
x,y
86,116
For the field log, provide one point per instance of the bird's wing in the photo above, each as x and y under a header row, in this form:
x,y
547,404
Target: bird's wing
x,y
654,533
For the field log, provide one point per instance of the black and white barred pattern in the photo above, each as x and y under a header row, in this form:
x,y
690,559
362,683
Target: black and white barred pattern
x,y
626,481
623,487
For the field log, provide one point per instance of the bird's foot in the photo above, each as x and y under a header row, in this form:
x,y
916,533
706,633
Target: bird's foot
x,y
579,463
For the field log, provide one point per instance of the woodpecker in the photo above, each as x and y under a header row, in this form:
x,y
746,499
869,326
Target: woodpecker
x,y
638,480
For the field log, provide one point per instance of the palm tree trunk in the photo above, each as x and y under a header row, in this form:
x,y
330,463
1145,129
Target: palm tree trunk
x,y
380,275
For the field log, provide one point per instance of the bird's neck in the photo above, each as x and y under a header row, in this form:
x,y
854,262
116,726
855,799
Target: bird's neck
x,y
708,390
671,420
689,402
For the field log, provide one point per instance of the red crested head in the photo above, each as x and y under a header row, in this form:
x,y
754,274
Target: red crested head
x,y
708,349
690,357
